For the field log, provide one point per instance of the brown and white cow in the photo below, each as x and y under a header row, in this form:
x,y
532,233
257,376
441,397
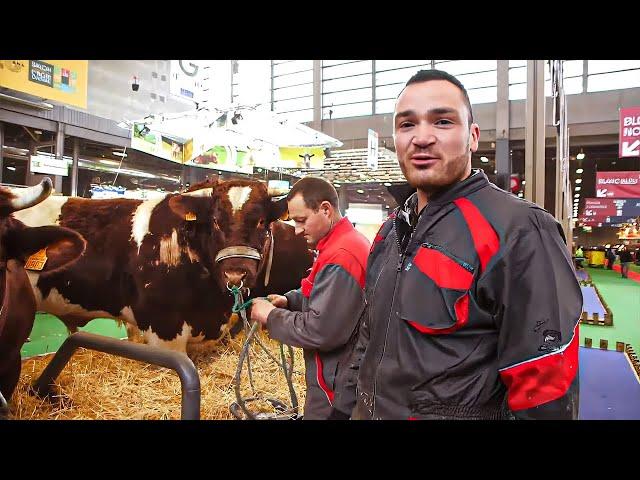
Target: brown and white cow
x,y
162,265
17,243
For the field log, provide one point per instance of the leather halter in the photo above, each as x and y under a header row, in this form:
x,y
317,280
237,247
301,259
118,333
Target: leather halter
x,y
242,251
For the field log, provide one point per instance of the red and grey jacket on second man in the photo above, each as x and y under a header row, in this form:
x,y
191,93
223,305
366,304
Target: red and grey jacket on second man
x,y
323,313
472,313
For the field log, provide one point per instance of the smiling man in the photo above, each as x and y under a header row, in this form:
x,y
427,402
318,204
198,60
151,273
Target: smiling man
x,y
472,303
322,315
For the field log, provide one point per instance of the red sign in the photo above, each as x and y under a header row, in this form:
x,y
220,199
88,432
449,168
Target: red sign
x,y
618,184
599,207
629,132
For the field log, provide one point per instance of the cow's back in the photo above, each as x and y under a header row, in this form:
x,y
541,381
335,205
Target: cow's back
x,y
99,283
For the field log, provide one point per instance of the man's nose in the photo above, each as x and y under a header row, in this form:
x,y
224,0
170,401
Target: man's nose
x,y
424,136
299,230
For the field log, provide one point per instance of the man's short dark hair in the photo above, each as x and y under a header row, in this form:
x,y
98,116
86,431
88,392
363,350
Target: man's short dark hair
x,y
314,191
433,74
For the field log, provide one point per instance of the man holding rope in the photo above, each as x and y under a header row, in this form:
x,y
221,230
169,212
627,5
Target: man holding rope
x,y
322,315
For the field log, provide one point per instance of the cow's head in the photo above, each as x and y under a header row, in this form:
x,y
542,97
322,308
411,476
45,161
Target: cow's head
x,y
239,213
19,242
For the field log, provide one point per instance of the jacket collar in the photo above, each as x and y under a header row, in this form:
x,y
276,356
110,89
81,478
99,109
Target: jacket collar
x,y
343,226
477,180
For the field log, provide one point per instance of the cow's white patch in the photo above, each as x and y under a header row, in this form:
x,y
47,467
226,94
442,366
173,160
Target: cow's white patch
x,y
197,339
127,315
193,256
46,212
179,343
170,251
238,196
141,218
203,192
57,305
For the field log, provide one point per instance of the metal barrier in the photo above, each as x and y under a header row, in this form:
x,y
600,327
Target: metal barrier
x,y
177,361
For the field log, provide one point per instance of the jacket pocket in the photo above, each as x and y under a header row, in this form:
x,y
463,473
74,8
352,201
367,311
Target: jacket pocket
x,y
434,297
326,374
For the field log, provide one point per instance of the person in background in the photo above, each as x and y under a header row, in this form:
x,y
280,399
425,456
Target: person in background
x,y
322,315
625,259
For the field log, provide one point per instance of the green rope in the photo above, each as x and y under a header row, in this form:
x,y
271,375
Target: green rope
x,y
237,306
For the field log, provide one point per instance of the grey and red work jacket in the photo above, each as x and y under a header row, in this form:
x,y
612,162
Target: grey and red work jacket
x,y
472,313
323,313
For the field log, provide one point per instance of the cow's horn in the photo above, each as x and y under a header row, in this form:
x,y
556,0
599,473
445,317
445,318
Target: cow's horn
x,y
32,196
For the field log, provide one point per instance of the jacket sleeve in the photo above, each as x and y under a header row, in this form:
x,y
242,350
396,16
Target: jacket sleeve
x,y
537,304
344,400
294,300
335,303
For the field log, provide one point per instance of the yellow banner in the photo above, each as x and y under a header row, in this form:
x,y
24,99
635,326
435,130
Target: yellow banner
x,y
63,81
160,144
301,157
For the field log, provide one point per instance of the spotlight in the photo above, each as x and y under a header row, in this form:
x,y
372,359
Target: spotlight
x,y
235,118
580,156
578,180
577,189
484,159
580,170
360,191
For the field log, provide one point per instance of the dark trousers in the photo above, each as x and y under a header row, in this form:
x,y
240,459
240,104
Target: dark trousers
x,y
624,269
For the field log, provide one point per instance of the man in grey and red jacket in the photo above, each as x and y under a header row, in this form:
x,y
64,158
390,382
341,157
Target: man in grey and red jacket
x,y
322,315
472,302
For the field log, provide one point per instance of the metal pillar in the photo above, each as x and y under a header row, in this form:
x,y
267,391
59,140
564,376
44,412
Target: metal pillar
x,y
74,167
534,166
563,197
503,158
343,199
57,179
317,95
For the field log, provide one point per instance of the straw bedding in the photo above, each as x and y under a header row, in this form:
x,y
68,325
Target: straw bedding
x,y
96,385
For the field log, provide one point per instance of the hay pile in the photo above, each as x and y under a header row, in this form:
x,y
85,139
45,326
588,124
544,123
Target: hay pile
x,y
97,385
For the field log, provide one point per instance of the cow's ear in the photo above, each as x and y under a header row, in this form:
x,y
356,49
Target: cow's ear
x,y
278,209
190,208
62,246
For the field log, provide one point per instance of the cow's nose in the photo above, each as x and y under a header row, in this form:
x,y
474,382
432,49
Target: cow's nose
x,y
235,277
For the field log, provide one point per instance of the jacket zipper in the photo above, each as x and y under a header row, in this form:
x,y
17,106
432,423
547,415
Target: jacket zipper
x,y
393,297
442,250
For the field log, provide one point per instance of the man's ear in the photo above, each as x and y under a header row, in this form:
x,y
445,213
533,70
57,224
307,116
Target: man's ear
x,y
278,209
191,209
474,137
63,246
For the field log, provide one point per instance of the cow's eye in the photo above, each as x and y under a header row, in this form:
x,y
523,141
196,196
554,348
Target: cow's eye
x,y
261,223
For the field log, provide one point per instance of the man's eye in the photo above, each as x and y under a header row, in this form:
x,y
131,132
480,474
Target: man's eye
x,y
405,125
444,121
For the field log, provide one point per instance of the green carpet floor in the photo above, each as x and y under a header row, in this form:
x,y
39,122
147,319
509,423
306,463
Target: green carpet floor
x,y
623,297
49,332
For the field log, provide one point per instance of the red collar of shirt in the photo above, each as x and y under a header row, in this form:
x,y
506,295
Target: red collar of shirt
x,y
340,228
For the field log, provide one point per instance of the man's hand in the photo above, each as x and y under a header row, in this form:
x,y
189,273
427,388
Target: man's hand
x,y
260,310
279,301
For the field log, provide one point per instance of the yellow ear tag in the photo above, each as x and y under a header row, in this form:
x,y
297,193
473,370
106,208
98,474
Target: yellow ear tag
x,y
37,260
190,217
